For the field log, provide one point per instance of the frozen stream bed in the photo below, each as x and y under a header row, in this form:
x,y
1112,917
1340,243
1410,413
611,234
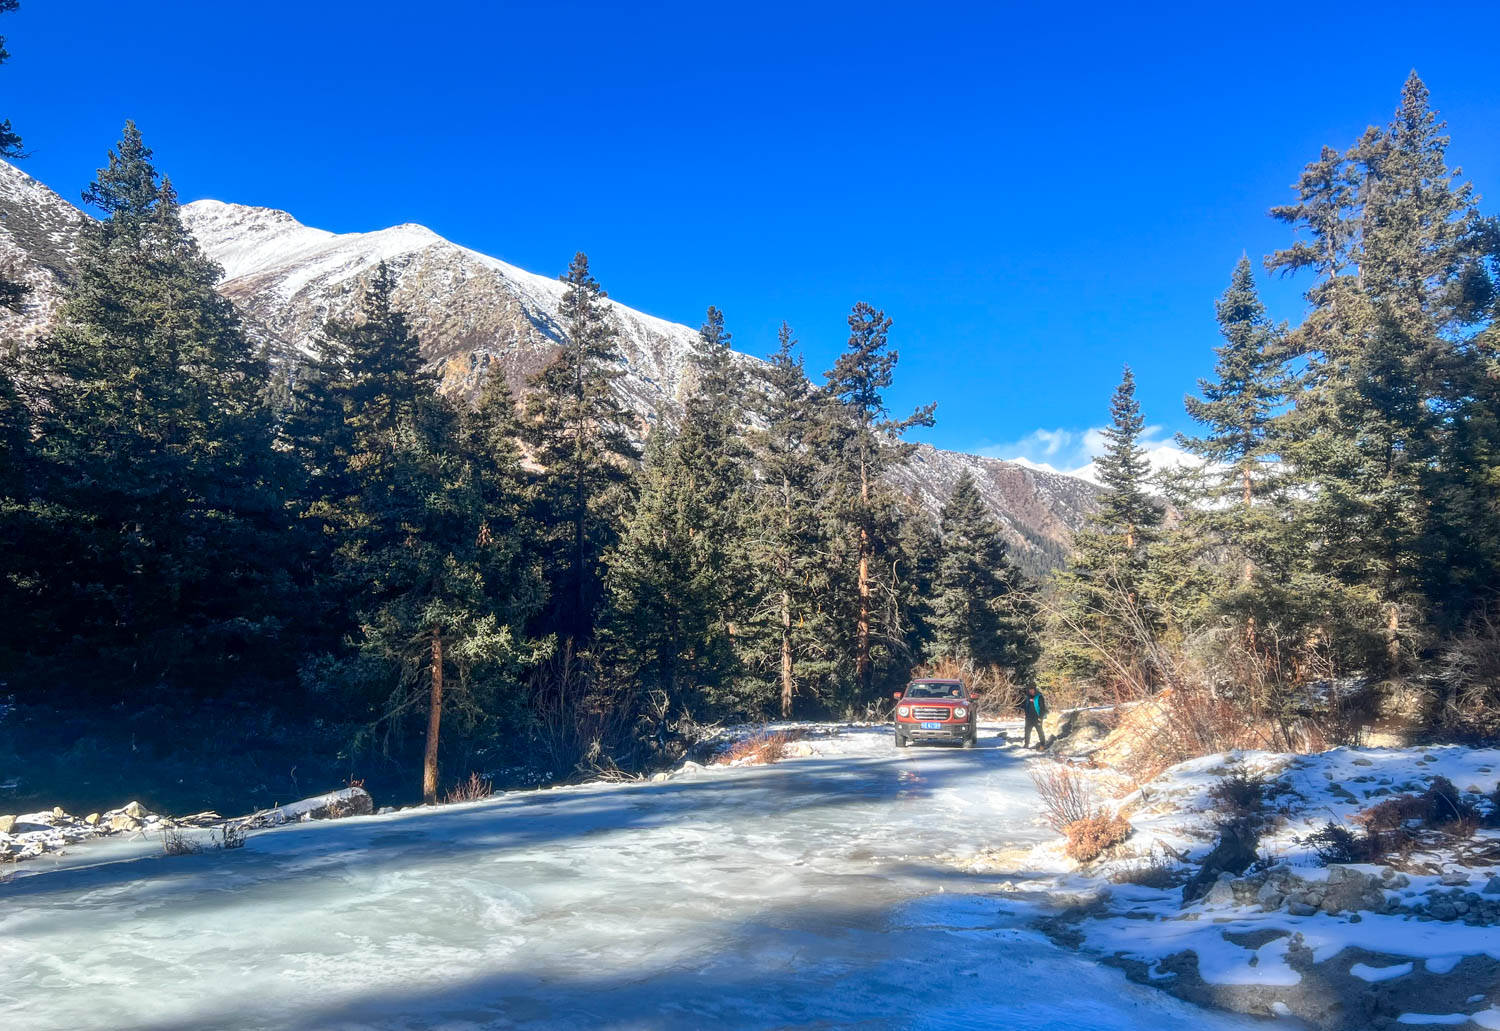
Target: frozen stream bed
x,y
806,894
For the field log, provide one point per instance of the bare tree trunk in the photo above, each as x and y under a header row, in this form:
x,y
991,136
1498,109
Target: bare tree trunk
x,y
786,654
1249,501
862,639
786,603
1393,638
434,722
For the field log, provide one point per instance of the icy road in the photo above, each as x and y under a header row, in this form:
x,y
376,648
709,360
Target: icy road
x,y
806,895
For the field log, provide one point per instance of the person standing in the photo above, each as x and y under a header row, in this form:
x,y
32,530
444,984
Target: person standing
x,y
1034,707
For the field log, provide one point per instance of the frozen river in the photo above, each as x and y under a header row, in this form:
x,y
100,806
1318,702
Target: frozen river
x,y
806,894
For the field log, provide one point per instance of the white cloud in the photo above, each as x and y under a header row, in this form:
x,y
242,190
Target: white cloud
x,y
1073,451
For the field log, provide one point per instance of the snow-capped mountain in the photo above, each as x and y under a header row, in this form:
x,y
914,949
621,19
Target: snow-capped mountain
x,y
476,316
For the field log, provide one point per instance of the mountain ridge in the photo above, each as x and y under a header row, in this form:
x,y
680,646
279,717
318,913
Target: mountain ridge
x,y
476,316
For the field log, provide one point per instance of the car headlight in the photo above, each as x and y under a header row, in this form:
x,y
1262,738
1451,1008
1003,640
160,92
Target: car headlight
x,y
960,712
905,710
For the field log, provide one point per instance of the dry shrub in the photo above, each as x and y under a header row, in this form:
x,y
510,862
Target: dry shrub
x,y
1240,795
1067,797
1334,844
1090,837
1441,807
1392,813
1469,679
176,843
758,749
582,718
475,789
232,835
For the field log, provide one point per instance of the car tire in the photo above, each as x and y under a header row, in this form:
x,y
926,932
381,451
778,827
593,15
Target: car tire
x,y
901,741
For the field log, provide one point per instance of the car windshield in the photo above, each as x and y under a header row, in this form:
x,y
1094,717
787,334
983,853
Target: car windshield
x,y
934,691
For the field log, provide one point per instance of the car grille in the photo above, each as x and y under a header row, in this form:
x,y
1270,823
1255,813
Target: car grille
x,y
931,712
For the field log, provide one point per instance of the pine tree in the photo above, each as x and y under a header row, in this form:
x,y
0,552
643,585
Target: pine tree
x,y
1237,408
154,443
433,547
787,545
983,611
1126,509
666,605
10,142
1381,439
1106,617
858,382
682,585
575,428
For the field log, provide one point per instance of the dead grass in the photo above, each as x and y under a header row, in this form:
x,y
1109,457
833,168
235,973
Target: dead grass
x,y
225,837
759,749
175,843
475,789
1153,870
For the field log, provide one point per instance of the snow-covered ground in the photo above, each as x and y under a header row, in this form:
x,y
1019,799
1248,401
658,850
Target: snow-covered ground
x,y
1293,935
811,893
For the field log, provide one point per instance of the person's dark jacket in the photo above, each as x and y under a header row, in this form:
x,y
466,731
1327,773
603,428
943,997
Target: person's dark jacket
x,y
1034,706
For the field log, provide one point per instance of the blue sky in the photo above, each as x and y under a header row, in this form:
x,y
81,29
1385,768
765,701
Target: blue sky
x,y
1036,194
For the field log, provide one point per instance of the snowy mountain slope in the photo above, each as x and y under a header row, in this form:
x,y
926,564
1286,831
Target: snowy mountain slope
x,y
1039,508
476,315
39,235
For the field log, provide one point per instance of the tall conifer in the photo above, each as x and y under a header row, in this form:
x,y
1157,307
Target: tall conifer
x,y
857,382
155,441
576,429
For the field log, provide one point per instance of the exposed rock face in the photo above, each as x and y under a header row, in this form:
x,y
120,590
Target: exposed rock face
x,y
476,316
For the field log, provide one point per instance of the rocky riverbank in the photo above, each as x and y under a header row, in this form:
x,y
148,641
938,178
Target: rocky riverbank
x,y
1403,933
50,832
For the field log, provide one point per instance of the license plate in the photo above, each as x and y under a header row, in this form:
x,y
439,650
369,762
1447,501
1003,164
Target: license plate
x,y
932,726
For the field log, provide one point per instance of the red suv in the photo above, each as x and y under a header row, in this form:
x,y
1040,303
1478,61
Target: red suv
x,y
936,710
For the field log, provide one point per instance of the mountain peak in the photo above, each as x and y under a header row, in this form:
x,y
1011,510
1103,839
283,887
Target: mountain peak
x,y
476,317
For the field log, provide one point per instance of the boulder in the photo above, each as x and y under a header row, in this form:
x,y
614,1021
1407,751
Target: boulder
x,y
1269,897
1454,878
1222,892
134,809
7,824
58,814
1492,888
92,819
123,822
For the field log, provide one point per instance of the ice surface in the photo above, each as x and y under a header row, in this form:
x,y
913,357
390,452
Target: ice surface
x,y
799,895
